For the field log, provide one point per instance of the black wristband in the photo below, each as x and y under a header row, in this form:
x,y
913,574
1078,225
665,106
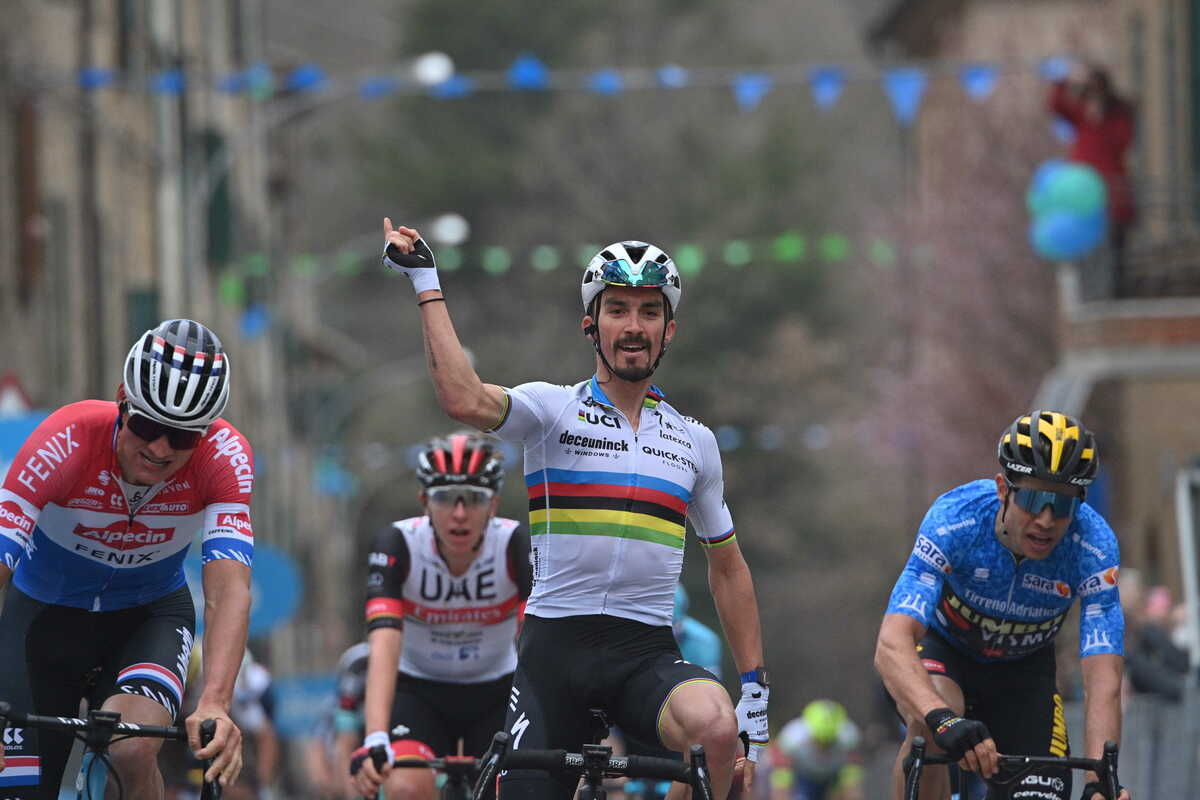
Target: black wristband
x,y
934,719
430,300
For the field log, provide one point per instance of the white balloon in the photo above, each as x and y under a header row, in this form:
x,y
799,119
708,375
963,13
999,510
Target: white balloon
x,y
449,229
433,68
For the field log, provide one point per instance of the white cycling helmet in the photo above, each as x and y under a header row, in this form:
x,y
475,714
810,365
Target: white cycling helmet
x,y
178,374
631,263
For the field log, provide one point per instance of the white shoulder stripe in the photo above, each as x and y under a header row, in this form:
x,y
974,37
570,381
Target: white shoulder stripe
x,y
228,508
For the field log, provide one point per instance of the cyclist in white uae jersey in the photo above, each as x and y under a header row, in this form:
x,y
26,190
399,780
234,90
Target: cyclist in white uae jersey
x,y
445,593
613,471
96,515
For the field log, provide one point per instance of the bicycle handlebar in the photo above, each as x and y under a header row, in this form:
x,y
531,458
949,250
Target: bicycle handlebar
x,y
456,765
615,766
1017,767
72,724
595,763
98,730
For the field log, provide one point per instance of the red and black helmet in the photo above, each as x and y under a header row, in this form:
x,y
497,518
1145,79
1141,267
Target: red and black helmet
x,y
460,459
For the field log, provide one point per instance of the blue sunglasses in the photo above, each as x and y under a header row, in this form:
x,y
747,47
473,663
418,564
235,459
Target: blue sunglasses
x,y
1061,505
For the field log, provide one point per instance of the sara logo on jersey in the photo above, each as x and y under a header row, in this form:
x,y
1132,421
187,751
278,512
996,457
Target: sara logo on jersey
x,y
931,554
1037,583
125,536
1099,582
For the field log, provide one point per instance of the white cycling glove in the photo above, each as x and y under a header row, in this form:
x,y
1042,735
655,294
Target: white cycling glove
x,y
380,738
418,266
752,717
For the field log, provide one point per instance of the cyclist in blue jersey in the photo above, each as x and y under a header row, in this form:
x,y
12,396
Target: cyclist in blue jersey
x,y
698,643
966,646
612,471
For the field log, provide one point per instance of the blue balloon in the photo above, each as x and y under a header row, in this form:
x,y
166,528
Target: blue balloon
x,y
1065,235
1043,178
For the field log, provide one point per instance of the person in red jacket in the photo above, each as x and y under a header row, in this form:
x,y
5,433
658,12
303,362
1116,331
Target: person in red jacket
x,y
1104,127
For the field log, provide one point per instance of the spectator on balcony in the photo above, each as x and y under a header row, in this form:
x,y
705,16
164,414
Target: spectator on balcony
x,y
1104,128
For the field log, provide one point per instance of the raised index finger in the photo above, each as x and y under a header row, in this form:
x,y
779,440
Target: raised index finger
x,y
387,225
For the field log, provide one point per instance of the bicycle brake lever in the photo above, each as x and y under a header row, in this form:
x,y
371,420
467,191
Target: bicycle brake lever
x,y
210,790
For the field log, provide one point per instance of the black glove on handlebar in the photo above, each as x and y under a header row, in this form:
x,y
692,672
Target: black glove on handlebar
x,y
1096,787
954,734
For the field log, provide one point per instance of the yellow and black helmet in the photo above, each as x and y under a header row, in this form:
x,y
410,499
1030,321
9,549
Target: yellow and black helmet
x,y
1050,446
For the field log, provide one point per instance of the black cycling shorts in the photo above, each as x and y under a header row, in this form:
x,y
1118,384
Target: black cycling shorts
x,y
565,667
1019,703
55,656
439,714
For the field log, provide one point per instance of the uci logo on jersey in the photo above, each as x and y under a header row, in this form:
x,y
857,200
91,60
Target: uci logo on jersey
x,y
593,418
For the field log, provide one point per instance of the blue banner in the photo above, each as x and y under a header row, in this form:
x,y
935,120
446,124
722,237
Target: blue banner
x,y
276,588
300,703
13,433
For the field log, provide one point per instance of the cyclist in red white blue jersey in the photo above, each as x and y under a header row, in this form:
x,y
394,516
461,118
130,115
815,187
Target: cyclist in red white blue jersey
x,y
966,647
96,516
613,472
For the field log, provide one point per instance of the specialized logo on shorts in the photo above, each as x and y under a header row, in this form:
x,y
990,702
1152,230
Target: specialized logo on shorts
x,y
931,554
1037,583
125,535
1099,582
518,730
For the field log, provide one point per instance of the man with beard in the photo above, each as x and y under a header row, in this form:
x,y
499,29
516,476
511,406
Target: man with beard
x,y
612,471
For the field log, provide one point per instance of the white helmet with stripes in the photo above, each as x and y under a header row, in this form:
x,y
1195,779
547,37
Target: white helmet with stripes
x,y
178,374
631,263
